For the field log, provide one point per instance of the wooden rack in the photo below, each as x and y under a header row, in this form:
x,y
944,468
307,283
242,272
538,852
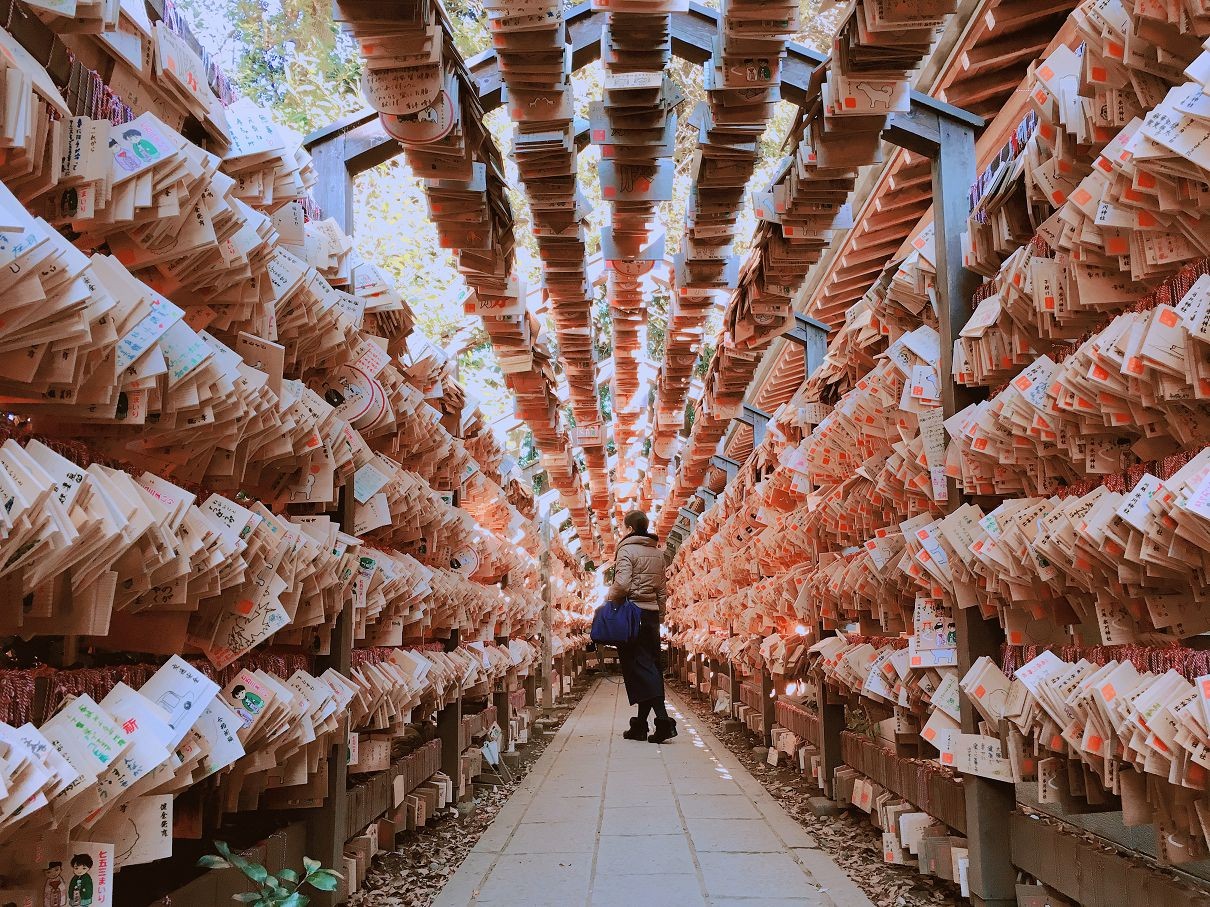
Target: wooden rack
x,y
353,803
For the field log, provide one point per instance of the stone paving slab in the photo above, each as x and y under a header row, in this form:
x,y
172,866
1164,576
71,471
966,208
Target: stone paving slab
x,y
604,821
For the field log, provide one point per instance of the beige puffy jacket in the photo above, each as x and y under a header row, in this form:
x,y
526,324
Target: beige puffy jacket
x,y
638,572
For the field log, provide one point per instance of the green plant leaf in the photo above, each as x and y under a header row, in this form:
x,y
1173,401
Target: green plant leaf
x,y
247,897
295,900
223,848
288,875
311,865
324,880
210,861
256,872
269,882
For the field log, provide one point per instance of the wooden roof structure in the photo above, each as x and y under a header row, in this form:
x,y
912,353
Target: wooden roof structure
x,y
978,61
981,67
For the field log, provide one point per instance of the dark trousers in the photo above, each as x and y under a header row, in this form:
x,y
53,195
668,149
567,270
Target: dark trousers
x,y
641,670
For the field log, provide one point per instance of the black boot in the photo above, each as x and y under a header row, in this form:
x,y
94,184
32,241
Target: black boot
x,y
665,729
638,729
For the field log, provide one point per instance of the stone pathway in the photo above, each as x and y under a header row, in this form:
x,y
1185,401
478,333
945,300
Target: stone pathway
x,y
604,821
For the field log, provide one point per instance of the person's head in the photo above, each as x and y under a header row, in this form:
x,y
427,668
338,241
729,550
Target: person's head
x,y
54,870
81,863
635,523
237,692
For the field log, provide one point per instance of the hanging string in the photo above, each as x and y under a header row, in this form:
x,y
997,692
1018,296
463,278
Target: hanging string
x,y
878,642
1012,149
1170,292
84,456
311,211
1189,663
18,686
1122,482
362,657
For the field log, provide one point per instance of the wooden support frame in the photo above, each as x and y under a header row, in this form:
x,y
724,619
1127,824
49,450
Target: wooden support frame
x,y
758,419
733,680
933,129
950,144
362,143
325,825
812,336
449,729
729,467
548,666
768,705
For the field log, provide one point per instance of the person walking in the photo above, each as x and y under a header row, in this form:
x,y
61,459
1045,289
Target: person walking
x,y
638,574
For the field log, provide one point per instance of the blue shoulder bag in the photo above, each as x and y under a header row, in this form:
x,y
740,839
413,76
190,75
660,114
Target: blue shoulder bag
x,y
616,623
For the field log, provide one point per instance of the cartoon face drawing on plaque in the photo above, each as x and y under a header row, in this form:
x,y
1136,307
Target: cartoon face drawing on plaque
x,y
144,149
249,701
124,159
79,889
54,890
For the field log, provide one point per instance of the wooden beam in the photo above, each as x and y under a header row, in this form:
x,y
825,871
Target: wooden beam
x,y
910,178
1007,50
893,217
885,235
988,86
339,127
832,313
854,277
861,255
962,30
1008,17
902,198
368,146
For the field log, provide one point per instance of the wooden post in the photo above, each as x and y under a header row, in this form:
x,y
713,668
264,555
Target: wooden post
x,y
327,825
831,723
531,689
501,699
989,804
768,704
733,685
449,729
548,693
333,190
